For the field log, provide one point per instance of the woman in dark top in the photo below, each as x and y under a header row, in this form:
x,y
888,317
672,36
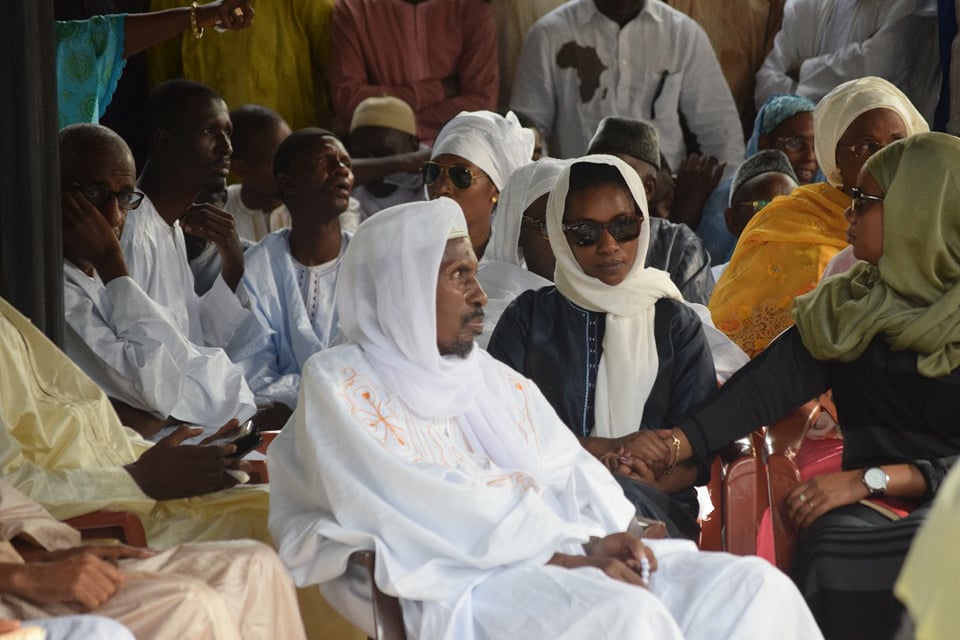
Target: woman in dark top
x,y
612,346
885,336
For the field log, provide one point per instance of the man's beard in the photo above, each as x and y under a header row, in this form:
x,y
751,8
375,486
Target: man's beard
x,y
462,348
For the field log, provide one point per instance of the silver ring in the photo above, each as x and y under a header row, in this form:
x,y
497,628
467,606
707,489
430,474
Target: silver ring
x,y
803,498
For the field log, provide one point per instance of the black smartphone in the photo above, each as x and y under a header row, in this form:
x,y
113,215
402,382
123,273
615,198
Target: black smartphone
x,y
246,439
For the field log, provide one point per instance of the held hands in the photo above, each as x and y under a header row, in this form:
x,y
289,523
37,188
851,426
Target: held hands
x,y
810,500
217,226
171,470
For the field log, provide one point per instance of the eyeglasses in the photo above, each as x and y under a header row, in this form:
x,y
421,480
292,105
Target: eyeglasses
x,y
754,205
794,144
864,150
460,175
539,224
858,198
589,232
98,196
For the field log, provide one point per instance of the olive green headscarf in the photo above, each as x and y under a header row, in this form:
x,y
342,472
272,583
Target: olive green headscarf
x,y
912,296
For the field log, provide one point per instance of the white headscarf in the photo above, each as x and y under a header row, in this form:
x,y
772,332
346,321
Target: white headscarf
x,y
496,144
837,110
629,364
523,188
387,302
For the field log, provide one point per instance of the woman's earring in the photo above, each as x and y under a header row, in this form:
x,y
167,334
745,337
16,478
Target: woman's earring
x,y
493,200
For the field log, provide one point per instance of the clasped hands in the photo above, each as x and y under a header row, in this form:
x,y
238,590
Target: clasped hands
x,y
622,556
645,455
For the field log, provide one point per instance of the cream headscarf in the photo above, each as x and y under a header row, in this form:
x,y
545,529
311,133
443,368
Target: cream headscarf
x,y
387,302
523,188
912,296
629,364
837,110
496,144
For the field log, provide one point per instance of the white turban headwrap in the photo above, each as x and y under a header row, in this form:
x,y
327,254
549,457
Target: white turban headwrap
x,y
629,364
837,110
387,303
527,184
496,144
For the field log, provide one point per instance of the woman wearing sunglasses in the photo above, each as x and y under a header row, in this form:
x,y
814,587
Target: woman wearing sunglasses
x,y
612,346
785,248
885,337
474,155
471,160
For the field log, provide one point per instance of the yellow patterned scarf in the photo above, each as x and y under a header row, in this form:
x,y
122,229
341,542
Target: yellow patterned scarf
x,y
781,254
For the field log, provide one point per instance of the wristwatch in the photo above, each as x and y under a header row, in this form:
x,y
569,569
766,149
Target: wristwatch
x,y
875,479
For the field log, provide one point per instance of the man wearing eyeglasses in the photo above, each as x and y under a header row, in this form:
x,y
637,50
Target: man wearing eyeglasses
x,y
131,346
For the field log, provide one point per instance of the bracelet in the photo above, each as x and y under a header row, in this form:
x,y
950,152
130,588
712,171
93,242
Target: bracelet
x,y
196,28
676,456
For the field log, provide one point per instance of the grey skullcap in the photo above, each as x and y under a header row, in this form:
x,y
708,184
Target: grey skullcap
x,y
628,136
762,162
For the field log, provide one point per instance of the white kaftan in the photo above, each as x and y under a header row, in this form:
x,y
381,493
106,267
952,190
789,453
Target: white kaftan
x,y
133,349
156,258
293,317
464,542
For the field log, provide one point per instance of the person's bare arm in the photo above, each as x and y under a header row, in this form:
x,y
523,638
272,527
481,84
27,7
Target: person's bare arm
x,y
143,30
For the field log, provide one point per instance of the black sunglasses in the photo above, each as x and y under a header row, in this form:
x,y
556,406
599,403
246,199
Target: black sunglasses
x,y
99,195
460,175
589,232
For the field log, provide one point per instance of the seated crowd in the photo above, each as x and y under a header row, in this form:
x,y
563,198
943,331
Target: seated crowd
x,y
654,280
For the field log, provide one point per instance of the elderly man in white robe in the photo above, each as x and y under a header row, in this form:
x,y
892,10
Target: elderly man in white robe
x,y
292,273
131,346
488,520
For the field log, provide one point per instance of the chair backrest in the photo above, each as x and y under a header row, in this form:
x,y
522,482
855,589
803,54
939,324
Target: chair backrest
x,y
118,525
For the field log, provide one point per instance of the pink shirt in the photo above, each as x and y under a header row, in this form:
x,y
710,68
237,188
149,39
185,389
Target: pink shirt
x,y
392,47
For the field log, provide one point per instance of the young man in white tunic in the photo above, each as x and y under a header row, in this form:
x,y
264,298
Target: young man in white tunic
x,y
131,346
189,135
292,273
487,518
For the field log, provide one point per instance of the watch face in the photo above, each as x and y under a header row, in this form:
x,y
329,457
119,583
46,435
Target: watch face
x,y
876,479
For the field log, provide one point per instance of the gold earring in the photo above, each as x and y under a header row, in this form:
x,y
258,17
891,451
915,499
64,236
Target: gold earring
x,y
493,200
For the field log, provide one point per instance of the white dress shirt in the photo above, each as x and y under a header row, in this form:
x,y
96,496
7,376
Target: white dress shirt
x,y
833,41
156,258
578,66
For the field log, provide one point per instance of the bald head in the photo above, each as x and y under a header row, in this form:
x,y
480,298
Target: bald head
x,y
84,144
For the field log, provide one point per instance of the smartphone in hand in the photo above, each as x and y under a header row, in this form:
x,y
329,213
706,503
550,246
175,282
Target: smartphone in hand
x,y
246,439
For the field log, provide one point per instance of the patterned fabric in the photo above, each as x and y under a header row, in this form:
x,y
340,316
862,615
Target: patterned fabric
x,y
89,63
781,254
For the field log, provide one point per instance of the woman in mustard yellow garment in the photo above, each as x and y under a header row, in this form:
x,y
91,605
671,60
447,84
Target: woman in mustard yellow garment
x,y
784,249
